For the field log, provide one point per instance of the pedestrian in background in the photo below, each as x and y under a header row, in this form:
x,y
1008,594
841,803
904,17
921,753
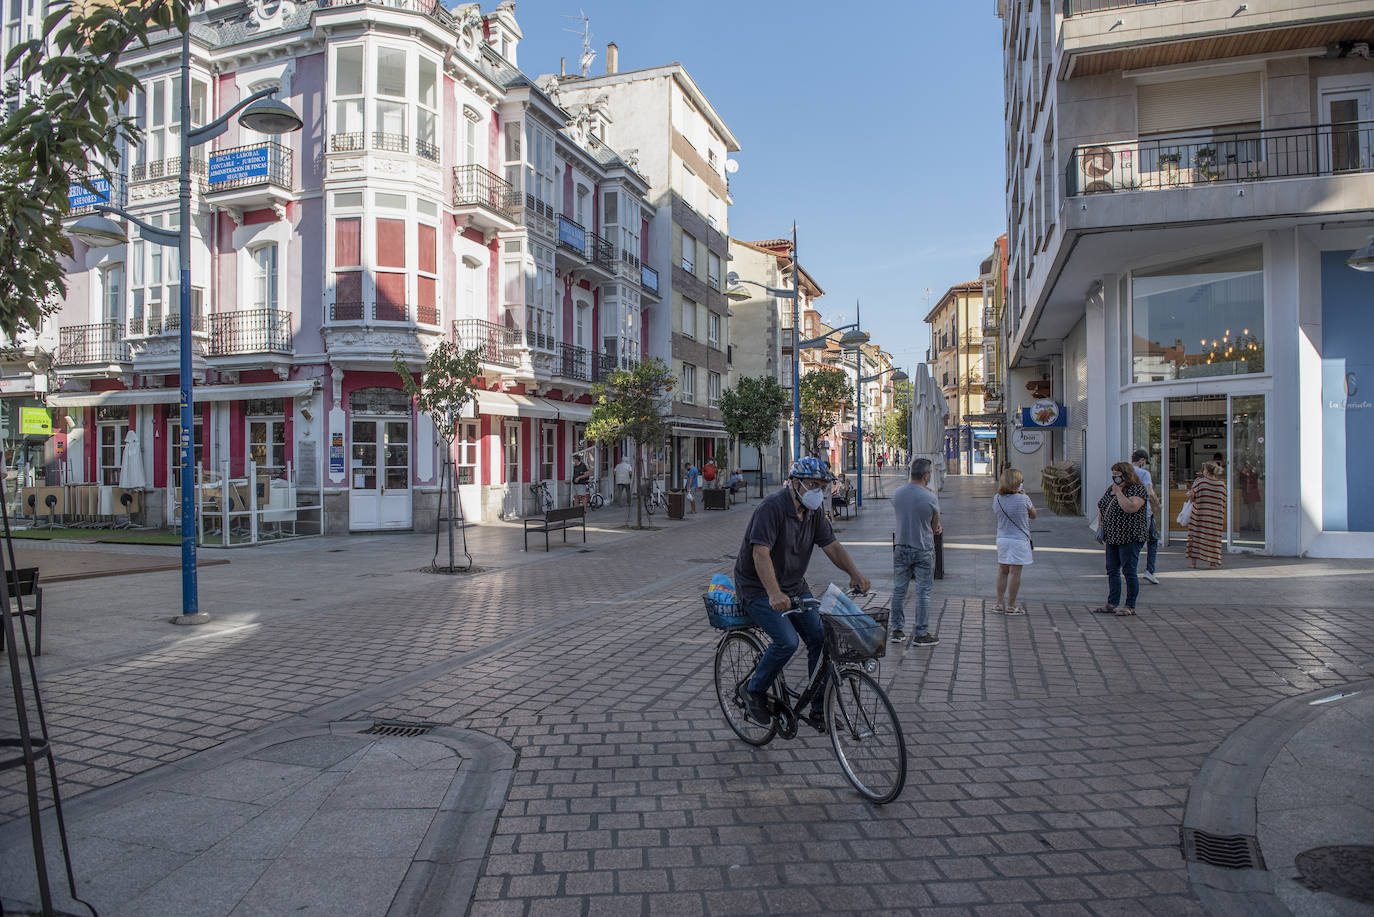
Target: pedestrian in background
x,y
1208,523
1141,460
692,479
913,555
1124,530
624,474
1013,511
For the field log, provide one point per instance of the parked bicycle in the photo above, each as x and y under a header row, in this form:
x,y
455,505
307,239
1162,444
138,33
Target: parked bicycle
x,y
594,498
541,492
653,497
862,723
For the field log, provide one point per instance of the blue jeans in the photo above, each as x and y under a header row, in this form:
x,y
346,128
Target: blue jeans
x,y
912,565
1152,545
1121,561
783,630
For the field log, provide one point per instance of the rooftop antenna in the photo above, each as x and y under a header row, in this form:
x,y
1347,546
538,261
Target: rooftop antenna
x,y
588,52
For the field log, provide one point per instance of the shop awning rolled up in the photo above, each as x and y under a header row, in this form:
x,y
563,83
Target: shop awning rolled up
x,y
199,393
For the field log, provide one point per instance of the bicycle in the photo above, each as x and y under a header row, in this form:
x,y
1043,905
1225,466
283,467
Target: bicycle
x,y
594,498
863,726
653,497
540,489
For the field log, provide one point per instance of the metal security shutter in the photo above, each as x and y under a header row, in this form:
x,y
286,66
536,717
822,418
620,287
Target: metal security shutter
x,y
1192,104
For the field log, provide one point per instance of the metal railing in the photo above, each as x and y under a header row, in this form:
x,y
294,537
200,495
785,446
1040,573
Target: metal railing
x,y
539,341
426,150
475,185
1079,7
392,143
250,331
990,321
573,363
648,278
164,168
602,252
499,345
171,323
155,323
630,258
602,366
85,191
391,311
346,312
278,164
427,315
346,142
572,236
1155,163
84,345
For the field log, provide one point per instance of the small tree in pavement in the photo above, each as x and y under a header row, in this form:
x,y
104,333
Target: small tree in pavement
x,y
752,410
444,386
825,396
633,405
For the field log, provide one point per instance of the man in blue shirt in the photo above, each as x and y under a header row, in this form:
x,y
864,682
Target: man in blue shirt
x,y
770,572
692,480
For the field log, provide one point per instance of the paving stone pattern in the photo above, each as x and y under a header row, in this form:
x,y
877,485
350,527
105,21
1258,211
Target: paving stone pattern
x,y
1051,754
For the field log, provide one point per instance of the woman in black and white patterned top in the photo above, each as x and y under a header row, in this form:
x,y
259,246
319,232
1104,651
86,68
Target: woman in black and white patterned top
x,y
1125,526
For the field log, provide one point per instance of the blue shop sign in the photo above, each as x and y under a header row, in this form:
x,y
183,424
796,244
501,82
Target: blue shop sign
x,y
572,235
238,165
1044,413
83,192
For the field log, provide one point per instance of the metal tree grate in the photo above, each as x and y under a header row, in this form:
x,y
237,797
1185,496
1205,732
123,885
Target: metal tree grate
x,y
397,730
1234,851
1346,871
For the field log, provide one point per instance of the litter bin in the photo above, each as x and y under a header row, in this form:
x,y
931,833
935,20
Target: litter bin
x,y
715,498
677,504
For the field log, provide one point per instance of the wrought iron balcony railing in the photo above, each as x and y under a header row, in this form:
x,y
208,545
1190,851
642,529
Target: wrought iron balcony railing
x,y
602,252
536,340
86,345
254,164
573,362
165,168
475,185
250,331
1160,163
572,236
499,345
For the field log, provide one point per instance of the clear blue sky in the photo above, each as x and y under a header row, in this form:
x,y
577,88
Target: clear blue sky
x,y
876,126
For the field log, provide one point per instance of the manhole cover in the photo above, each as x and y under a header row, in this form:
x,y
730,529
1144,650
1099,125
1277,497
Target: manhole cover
x,y
1346,871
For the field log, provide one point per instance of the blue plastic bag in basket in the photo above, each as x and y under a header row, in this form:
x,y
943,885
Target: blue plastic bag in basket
x,y
722,589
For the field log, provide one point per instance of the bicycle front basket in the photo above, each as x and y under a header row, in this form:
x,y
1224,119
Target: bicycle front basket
x,y
854,638
725,615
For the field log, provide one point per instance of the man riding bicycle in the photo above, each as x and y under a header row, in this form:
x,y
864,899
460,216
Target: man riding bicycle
x,y
771,569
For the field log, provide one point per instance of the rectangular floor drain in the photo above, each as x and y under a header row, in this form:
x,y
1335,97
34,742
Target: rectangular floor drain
x,y
397,730
1234,851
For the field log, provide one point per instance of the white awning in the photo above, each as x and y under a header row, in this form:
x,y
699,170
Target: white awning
x,y
570,410
684,430
199,393
514,405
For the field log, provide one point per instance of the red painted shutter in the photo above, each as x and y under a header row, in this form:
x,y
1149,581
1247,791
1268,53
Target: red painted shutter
x,y
348,250
391,243
429,250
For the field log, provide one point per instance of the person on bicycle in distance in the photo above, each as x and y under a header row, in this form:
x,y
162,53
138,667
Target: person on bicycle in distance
x,y
771,569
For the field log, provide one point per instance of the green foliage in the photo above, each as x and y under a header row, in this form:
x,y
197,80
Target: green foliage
x,y
445,385
633,405
71,126
897,422
753,408
722,460
825,396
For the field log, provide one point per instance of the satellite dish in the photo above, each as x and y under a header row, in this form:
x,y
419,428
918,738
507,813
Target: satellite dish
x,y
731,166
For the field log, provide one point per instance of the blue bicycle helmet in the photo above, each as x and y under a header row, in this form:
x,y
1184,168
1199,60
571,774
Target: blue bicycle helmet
x,y
810,467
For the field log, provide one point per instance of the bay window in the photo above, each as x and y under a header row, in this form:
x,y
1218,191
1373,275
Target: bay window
x,y
346,133
156,108
539,170
427,112
377,112
540,331
389,104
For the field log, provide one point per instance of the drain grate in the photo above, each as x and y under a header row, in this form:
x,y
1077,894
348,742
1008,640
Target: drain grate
x,y
396,730
1234,851
1346,871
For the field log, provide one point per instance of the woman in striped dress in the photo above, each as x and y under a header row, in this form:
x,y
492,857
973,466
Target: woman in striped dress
x,y
1207,527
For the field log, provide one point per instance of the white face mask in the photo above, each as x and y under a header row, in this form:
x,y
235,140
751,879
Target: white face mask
x,y
812,499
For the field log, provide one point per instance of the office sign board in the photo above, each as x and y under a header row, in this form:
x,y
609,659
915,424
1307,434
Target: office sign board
x,y
83,192
238,165
35,421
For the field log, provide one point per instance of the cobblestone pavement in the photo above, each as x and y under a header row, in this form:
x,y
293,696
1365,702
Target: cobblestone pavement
x,y
1051,754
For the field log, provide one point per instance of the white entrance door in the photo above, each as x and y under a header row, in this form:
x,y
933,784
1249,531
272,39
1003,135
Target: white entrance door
x,y
379,476
1348,141
466,450
512,506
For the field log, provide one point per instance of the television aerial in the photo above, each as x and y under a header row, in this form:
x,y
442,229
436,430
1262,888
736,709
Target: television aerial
x,y
588,52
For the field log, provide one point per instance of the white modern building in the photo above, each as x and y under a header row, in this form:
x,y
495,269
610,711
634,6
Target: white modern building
x,y
1186,182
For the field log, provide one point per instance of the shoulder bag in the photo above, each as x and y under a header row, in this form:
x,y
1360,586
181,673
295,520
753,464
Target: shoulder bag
x,y
998,501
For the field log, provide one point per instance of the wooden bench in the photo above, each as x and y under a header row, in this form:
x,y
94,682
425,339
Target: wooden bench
x,y
554,520
24,581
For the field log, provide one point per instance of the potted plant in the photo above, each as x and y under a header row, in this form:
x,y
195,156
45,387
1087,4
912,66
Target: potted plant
x,y
1168,162
1205,157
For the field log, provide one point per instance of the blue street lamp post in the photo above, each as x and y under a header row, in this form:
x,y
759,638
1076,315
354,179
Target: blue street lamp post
x,y
263,114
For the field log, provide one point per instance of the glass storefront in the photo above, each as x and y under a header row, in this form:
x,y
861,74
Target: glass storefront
x,y
26,459
1199,318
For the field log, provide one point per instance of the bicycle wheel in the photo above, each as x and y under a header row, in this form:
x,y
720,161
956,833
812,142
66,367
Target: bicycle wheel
x,y
736,656
866,735
649,505
598,501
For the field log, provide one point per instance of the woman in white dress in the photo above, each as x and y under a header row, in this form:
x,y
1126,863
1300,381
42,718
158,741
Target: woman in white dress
x,y
1013,511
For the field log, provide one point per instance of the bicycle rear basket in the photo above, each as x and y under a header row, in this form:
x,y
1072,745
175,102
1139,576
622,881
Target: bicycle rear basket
x,y
725,615
854,638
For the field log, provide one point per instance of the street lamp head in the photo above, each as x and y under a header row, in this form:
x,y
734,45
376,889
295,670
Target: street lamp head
x,y
853,338
1362,259
732,278
738,294
899,376
269,116
98,231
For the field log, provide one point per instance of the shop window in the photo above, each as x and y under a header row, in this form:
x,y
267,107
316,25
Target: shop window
x,y
266,419
465,452
1199,318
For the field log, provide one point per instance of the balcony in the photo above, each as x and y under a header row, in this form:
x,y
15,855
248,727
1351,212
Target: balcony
x,y
1079,7
575,362
90,189
484,200
250,331
537,340
90,345
1162,163
991,322
648,280
255,176
432,8
603,253
571,251
499,345
165,169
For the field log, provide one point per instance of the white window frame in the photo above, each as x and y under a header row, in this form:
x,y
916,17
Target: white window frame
x,y
689,252
713,389
467,447
689,384
348,110
109,474
713,270
266,290
548,451
427,114
689,318
713,329
111,305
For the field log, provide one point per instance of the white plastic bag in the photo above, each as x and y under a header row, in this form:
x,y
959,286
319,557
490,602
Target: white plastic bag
x,y
835,602
1185,515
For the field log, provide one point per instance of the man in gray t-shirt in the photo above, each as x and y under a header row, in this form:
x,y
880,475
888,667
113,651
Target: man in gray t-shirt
x,y
913,559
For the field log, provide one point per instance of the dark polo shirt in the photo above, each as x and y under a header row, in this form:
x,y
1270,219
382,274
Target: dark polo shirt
x,y
789,541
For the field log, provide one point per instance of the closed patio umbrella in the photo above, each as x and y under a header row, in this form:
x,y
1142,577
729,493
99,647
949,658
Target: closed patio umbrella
x,y
131,475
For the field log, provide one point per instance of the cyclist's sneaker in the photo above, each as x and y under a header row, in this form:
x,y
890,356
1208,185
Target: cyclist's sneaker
x,y
925,640
816,719
756,706
898,636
